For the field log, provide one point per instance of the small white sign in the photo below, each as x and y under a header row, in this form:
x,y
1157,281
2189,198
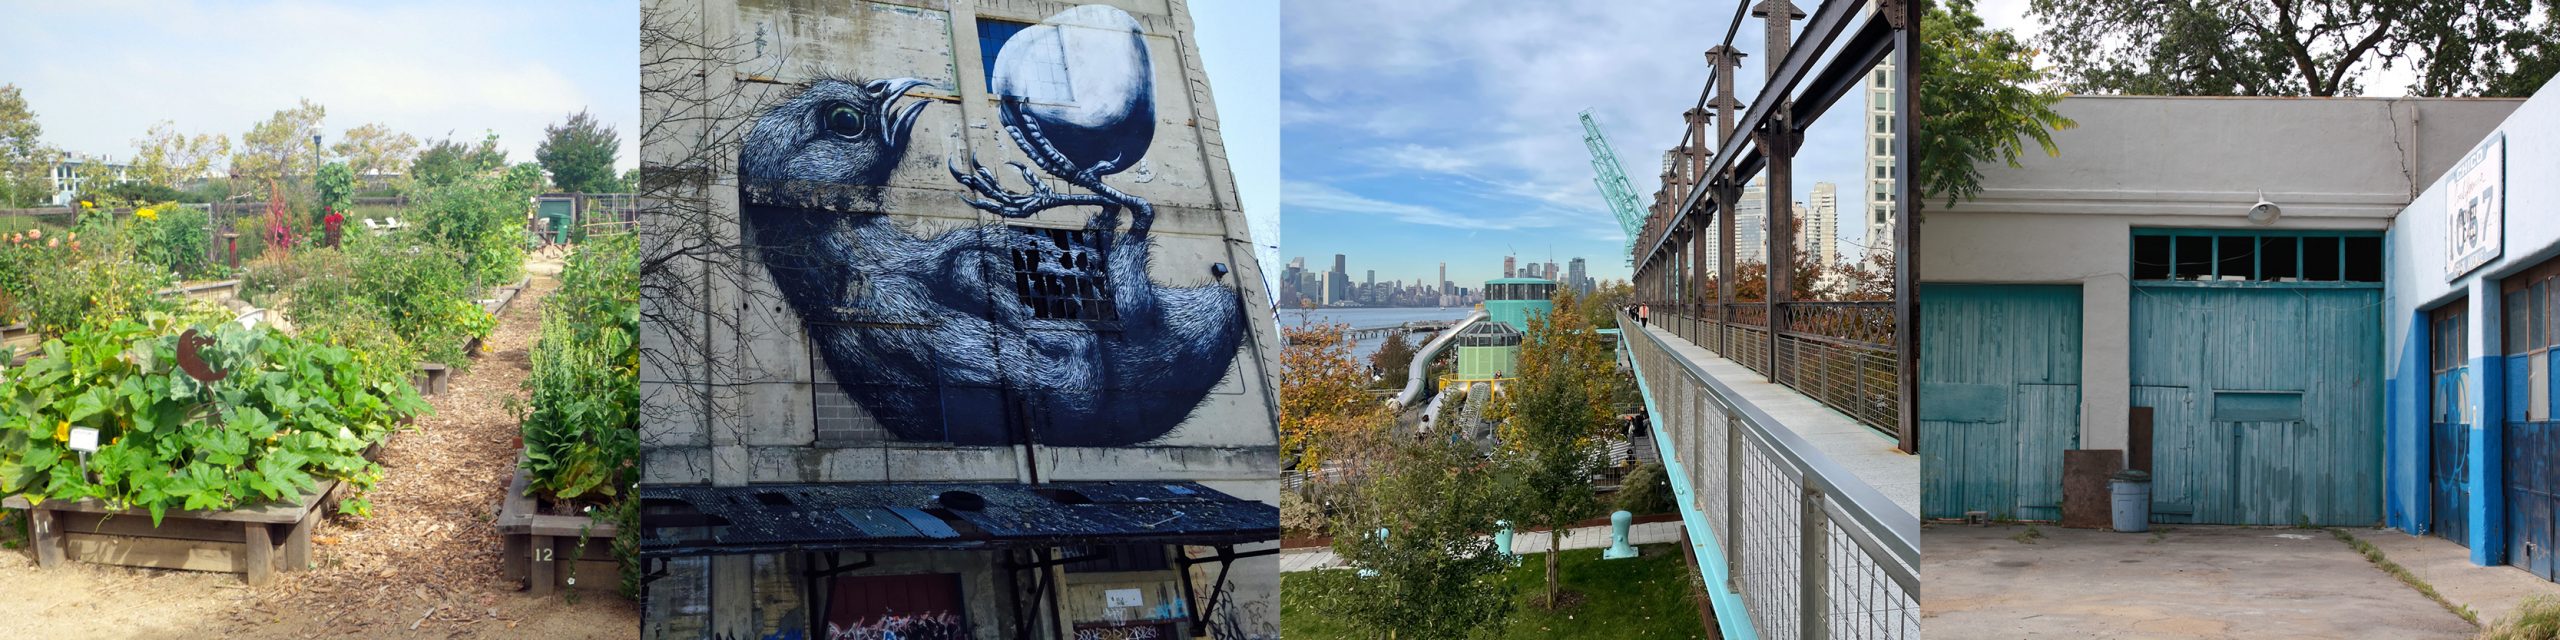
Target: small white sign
x,y
84,439
2476,209
1124,598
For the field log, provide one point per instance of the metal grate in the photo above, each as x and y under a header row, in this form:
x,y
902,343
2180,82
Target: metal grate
x,y
841,422
1059,274
1756,499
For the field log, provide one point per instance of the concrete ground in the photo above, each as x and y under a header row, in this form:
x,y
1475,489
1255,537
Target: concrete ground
x,y
2490,592
1313,558
2021,581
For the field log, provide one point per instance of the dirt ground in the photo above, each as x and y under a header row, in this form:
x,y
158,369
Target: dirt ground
x,y
425,565
2181,581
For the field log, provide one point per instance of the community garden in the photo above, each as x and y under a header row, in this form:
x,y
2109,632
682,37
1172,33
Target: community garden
x,y
366,426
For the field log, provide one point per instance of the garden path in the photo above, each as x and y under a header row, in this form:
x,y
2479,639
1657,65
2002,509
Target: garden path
x,y
425,565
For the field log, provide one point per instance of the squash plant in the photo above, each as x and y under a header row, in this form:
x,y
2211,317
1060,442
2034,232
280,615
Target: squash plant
x,y
290,414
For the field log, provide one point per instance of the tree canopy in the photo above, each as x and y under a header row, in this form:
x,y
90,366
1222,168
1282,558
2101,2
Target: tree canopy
x,y
24,158
281,146
2298,47
579,153
448,161
1977,102
168,158
375,149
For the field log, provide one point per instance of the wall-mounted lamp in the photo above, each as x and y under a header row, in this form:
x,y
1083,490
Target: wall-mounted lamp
x,y
2264,212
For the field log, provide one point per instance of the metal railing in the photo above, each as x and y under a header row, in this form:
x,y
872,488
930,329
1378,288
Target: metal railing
x,y
1840,355
1810,551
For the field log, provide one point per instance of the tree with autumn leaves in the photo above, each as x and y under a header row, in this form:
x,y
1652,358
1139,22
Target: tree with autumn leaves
x,y
1559,410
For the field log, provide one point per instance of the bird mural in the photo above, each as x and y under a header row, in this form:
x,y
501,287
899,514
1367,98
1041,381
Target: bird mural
x,y
992,334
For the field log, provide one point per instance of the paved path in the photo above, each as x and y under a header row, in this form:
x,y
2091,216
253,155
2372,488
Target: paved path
x,y
1310,559
1866,453
2182,582
2490,592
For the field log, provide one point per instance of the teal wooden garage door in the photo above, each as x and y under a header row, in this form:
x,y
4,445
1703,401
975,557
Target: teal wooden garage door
x,y
1999,398
2266,401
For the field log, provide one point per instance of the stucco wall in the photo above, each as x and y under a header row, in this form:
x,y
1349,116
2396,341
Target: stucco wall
x,y
2419,280
2346,163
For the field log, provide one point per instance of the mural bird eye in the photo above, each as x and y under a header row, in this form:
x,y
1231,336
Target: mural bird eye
x,y
843,120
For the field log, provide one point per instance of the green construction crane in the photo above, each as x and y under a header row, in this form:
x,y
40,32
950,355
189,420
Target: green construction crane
x,y
1613,183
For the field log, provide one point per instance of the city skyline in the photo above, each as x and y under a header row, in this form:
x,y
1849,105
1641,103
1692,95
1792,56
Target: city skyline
x,y
1332,286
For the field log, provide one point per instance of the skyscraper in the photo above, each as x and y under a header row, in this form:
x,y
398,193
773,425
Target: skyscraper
x,y
1510,267
1821,236
1577,277
1750,225
1444,278
1879,152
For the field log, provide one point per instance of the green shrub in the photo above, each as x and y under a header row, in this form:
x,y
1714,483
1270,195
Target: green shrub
x,y
581,427
480,218
88,277
174,237
1646,490
405,300
581,418
291,414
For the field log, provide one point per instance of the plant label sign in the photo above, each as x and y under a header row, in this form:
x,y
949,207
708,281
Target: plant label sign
x,y
84,439
1116,598
2476,209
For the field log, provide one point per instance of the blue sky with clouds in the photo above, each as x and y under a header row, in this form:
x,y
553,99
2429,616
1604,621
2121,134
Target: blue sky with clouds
x,y
1240,49
99,74
1423,131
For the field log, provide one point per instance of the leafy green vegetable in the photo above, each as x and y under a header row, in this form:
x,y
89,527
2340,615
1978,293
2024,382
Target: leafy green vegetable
x,y
291,414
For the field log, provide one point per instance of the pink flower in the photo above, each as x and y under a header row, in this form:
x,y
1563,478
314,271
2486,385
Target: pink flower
x,y
56,242
75,245
35,234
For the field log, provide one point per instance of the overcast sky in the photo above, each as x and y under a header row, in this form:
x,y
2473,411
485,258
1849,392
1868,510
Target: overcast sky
x,y
99,74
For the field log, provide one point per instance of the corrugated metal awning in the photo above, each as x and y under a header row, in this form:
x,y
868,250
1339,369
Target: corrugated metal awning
x,y
702,520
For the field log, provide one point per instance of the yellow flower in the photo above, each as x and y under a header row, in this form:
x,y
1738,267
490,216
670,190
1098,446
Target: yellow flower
x,y
146,213
62,432
84,204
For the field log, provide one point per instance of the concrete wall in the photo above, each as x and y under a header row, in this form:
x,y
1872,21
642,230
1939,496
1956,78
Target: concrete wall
x,y
2345,163
2419,280
866,252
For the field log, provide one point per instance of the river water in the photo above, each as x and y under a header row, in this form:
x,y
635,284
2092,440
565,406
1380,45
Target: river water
x,y
1362,318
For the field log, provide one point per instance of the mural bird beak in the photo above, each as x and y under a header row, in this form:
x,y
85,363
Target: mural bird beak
x,y
899,121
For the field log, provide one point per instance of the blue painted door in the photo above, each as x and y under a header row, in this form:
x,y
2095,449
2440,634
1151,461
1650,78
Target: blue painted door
x,y
2448,452
1999,398
2266,402
2530,440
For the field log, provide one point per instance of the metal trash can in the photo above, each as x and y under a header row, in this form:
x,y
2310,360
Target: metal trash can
x,y
2131,490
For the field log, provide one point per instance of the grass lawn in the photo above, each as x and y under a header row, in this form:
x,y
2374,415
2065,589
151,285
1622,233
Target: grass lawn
x,y
1643,597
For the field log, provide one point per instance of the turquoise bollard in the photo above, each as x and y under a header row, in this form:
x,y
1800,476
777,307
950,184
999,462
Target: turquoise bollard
x,y
1619,548
1502,542
1368,572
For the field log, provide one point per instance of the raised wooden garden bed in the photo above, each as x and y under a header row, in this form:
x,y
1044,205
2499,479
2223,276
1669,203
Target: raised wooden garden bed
x,y
496,304
255,540
213,291
541,548
22,340
431,378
